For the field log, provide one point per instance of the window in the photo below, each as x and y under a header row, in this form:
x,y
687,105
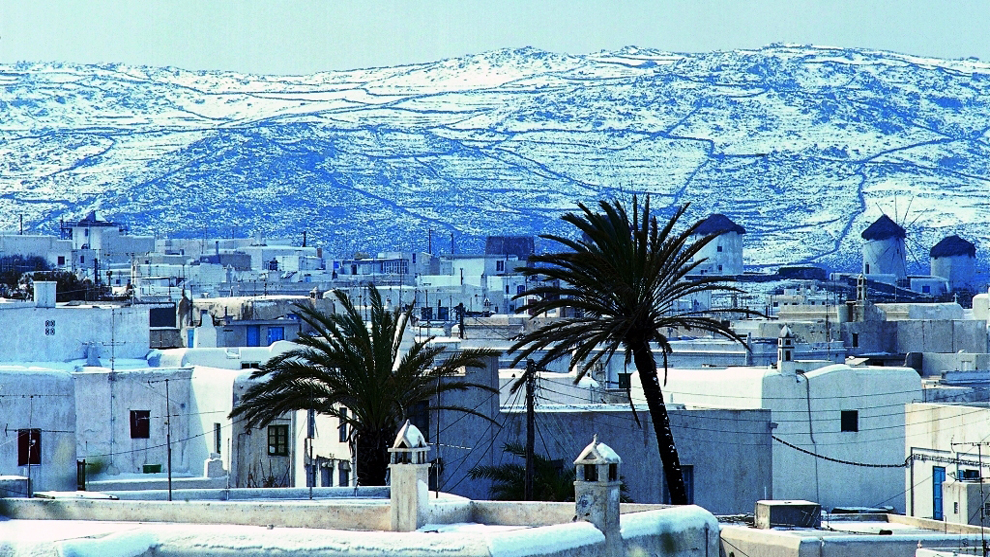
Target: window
x,y
590,473
278,440
520,289
849,420
344,477
253,333
506,288
275,334
190,338
855,340
420,417
718,249
250,365
687,472
500,266
140,424
61,260
867,269
926,289
162,316
28,446
342,428
82,258
217,438
720,268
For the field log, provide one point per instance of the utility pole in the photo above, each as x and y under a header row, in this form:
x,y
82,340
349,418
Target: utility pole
x,y
530,427
168,439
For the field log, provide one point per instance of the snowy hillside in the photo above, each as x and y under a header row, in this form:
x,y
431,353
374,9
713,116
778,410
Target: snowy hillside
x,y
803,146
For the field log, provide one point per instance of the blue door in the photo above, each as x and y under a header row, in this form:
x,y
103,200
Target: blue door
x,y
275,334
938,478
253,335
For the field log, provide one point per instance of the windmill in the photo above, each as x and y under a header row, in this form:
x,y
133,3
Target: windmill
x,y
888,244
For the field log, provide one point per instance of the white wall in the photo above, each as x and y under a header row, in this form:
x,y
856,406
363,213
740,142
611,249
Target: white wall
x,y
33,334
39,399
878,394
885,257
934,434
730,258
104,400
959,270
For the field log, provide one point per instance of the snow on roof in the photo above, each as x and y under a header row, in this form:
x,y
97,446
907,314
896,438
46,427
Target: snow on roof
x,y
718,224
597,452
409,437
94,219
883,229
953,245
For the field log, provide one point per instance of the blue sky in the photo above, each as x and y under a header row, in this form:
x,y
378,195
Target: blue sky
x,y
305,36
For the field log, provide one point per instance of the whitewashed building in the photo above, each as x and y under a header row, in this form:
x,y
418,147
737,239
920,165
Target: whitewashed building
x,y
38,411
43,331
724,254
822,413
884,254
954,259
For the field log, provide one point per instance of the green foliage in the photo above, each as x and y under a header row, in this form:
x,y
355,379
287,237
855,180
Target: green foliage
x,y
622,282
13,266
355,371
553,480
68,287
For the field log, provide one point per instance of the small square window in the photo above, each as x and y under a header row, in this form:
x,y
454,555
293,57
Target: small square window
x,y
499,266
61,260
278,440
28,446
140,424
926,289
718,249
849,420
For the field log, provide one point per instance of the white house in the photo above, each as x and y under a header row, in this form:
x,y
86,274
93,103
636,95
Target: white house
x,y
943,446
43,331
38,411
824,416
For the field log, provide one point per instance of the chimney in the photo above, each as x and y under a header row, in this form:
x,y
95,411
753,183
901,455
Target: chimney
x,y
597,490
409,469
44,293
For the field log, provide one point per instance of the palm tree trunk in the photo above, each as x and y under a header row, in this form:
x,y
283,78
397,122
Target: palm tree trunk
x,y
372,456
646,366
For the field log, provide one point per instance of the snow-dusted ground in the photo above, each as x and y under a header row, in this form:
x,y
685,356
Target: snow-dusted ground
x,y
802,145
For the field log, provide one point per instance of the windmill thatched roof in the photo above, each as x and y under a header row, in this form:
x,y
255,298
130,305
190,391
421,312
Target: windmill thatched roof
x,y
883,229
718,224
953,245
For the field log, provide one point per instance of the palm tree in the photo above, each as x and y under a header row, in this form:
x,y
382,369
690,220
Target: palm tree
x,y
622,280
354,370
554,480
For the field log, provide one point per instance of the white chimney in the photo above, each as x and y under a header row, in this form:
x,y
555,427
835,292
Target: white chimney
x,y
44,294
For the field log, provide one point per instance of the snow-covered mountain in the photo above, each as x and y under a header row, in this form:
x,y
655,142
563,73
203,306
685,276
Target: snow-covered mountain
x,y
803,146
